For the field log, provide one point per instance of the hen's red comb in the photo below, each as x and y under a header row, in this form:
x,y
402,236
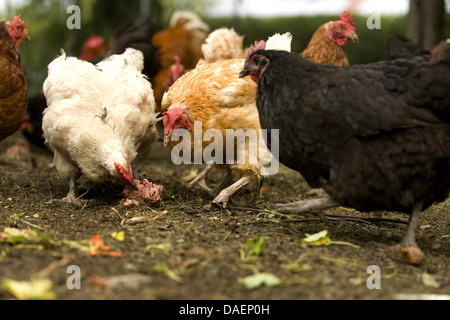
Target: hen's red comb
x,y
258,45
347,18
19,20
93,41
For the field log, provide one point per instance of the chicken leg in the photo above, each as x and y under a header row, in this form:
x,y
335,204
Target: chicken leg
x,y
304,206
408,249
223,197
72,195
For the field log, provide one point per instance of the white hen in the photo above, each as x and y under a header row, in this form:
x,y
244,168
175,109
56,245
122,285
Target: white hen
x,y
99,118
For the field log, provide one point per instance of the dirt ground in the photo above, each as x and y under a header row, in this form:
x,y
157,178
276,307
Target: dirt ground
x,y
178,249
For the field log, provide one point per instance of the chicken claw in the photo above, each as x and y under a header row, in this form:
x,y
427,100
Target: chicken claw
x,y
222,199
76,202
72,196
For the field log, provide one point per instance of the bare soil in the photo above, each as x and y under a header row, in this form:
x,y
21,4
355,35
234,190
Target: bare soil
x,y
179,249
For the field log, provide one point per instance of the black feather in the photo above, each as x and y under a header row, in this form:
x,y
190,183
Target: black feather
x,y
375,137
137,35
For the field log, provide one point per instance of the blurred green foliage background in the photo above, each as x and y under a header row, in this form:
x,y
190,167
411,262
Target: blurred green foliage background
x,y
46,24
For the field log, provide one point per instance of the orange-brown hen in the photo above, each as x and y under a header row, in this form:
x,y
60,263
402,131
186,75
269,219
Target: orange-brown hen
x,y
211,103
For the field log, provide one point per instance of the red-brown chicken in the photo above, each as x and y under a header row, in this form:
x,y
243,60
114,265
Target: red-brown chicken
x,y
183,39
13,84
326,44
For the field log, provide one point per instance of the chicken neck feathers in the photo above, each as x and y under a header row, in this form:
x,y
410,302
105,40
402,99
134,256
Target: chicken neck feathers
x,y
323,50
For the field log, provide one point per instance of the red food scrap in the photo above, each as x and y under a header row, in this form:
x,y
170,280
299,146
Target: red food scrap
x,y
146,192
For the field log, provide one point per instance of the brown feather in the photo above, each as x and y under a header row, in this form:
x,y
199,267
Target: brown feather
x,y
175,41
323,50
13,86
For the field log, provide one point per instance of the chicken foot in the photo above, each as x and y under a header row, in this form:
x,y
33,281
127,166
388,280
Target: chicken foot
x,y
222,199
408,249
307,206
72,195
304,206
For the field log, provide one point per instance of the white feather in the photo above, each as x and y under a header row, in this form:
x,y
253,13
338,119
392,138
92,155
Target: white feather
x,y
279,42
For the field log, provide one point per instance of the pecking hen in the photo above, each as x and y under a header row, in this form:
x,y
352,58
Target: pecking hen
x,y
326,44
99,117
374,137
136,34
13,83
212,99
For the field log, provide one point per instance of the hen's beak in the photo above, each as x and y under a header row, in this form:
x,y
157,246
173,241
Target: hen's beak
x,y
133,185
244,72
353,36
26,36
167,137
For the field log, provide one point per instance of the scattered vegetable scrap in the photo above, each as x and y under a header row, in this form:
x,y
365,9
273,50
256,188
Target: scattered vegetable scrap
x,y
259,279
322,238
98,247
430,280
254,247
146,192
18,236
119,236
38,289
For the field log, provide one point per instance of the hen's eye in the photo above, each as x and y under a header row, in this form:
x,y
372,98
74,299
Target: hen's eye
x,y
256,60
177,122
340,26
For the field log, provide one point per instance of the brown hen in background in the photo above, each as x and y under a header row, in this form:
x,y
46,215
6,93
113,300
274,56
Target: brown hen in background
x,y
13,83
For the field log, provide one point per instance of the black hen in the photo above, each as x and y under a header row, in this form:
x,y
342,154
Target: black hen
x,y
137,35
401,47
32,125
375,137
